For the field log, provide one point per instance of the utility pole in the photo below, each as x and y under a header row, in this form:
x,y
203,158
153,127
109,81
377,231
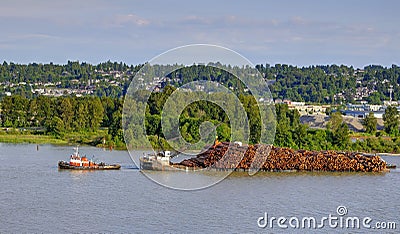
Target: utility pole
x,y
390,93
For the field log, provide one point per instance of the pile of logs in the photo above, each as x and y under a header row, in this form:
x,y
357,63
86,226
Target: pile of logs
x,y
269,158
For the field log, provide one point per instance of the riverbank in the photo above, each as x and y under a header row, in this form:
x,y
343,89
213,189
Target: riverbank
x,y
94,139
31,139
97,139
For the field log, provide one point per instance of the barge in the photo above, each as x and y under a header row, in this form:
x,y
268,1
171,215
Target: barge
x,y
160,161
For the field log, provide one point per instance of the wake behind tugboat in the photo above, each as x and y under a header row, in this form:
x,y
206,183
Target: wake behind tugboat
x,y
77,162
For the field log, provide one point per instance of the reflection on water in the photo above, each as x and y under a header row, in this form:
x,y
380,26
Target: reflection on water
x,y
75,173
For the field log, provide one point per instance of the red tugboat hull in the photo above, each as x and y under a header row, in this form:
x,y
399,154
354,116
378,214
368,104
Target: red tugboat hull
x,y
66,166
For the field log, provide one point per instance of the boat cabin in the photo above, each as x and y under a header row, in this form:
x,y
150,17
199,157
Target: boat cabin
x,y
164,156
78,161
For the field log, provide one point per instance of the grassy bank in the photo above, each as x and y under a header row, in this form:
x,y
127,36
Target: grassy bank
x,y
362,142
82,138
30,138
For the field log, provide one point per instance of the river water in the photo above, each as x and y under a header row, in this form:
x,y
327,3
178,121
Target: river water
x,y
36,197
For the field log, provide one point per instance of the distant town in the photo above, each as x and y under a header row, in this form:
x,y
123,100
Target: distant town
x,y
352,110
74,86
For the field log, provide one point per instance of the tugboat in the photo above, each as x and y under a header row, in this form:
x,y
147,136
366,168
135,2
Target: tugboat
x,y
76,162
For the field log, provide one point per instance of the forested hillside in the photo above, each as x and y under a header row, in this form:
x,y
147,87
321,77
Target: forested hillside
x,y
332,84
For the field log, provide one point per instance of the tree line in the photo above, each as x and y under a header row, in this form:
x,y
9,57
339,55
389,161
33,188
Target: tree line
x,y
61,115
38,72
312,84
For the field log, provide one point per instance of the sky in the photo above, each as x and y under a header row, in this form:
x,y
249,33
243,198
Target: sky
x,y
300,33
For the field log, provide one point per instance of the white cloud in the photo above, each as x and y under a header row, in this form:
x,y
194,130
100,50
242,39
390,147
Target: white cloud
x,y
126,20
297,20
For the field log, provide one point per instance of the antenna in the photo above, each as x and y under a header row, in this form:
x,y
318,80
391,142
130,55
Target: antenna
x,y
76,150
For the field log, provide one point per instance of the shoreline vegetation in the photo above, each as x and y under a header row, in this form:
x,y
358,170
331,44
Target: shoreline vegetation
x,y
92,140
28,137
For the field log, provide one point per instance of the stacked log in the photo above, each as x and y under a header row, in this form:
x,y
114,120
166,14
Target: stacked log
x,y
226,156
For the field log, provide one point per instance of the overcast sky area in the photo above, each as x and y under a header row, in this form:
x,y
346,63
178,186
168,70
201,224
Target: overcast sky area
x,y
302,33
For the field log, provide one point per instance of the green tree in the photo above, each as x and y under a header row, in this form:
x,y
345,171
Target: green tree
x,y
20,105
300,136
317,139
45,109
283,134
95,113
153,125
289,131
115,129
7,115
14,111
55,126
33,112
66,112
375,98
339,130
335,121
224,132
391,121
370,123
341,136
80,116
